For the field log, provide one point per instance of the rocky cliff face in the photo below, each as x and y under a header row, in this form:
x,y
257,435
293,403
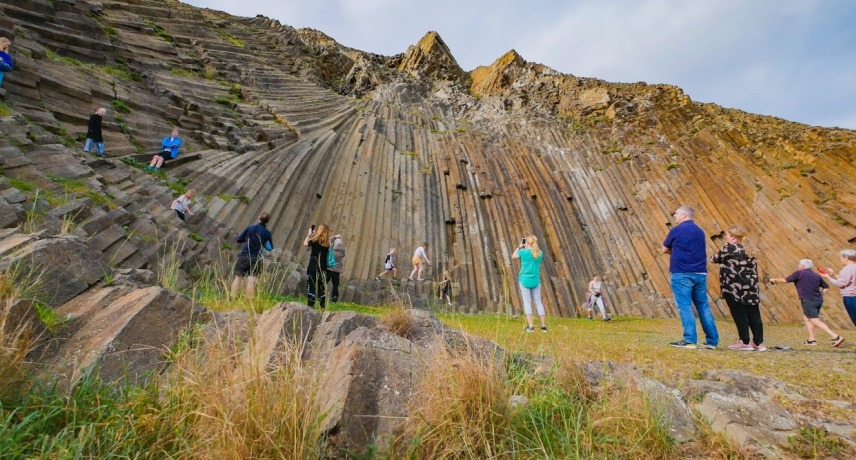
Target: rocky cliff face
x,y
392,151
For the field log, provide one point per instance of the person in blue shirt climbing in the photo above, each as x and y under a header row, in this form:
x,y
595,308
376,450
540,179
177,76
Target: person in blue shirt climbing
x,y
169,151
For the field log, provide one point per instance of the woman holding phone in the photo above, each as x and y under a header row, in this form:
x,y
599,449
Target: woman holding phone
x,y
318,242
529,279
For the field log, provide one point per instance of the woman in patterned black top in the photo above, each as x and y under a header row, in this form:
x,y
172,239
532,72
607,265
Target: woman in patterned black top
x,y
738,278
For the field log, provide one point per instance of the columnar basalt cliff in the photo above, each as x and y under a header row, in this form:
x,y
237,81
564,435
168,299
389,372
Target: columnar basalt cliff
x,y
392,151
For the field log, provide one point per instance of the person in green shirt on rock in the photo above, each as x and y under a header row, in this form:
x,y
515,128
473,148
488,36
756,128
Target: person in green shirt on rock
x,y
530,279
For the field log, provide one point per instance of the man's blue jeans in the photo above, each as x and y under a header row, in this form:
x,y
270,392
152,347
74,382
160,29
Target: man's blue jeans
x,y
689,289
99,147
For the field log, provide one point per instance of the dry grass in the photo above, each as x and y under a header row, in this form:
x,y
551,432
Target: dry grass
x,y
461,409
398,321
240,406
16,341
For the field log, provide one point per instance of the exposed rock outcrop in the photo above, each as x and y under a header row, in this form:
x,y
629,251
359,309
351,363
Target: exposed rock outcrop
x,y
592,168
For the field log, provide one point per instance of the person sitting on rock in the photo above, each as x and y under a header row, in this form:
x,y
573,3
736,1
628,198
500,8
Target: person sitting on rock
x,y
93,132
181,205
596,299
6,62
388,265
169,151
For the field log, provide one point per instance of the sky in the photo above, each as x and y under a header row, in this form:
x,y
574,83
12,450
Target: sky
x,y
794,59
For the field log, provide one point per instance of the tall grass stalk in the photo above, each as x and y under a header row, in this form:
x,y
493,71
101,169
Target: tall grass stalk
x,y
213,287
169,266
15,343
242,406
461,409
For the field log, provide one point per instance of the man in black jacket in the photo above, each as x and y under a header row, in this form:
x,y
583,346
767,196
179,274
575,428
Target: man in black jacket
x,y
93,132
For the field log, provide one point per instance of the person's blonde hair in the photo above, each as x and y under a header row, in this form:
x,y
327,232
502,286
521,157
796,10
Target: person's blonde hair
x,y
321,236
4,43
190,193
447,275
737,231
532,241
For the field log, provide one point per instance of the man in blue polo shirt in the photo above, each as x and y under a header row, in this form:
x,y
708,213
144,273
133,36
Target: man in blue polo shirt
x,y
253,239
688,265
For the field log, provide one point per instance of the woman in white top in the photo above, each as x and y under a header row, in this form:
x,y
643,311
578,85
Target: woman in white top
x,y
420,258
181,205
596,298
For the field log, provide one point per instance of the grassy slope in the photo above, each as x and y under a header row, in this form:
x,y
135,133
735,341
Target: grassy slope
x,y
644,342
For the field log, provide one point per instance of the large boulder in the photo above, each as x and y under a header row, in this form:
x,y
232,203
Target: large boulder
x,y
60,267
368,381
122,332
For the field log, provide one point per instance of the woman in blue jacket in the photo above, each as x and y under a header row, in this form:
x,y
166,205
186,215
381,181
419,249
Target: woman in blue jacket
x,y
6,62
169,151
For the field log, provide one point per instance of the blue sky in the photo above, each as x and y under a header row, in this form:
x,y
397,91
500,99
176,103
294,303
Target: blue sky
x,y
794,59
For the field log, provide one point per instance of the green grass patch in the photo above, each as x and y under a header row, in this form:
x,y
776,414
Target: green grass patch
x,y
21,184
195,237
65,59
5,111
178,186
123,124
121,106
672,166
231,38
182,72
77,187
225,100
158,30
242,198
49,318
134,163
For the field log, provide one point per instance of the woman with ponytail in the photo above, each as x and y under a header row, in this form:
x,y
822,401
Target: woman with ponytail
x,y
530,279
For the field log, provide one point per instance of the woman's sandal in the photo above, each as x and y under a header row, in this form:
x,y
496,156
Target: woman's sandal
x,y
810,342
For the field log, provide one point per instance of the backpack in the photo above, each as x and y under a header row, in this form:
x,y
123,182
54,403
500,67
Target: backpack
x,y
331,258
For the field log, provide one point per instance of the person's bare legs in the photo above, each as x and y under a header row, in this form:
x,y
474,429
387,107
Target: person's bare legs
x,y
810,327
419,273
236,285
816,322
251,285
543,322
415,270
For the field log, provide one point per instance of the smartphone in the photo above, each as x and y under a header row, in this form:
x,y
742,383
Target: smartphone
x,y
821,270
312,228
523,241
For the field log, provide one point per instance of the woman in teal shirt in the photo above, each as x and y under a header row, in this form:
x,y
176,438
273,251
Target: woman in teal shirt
x,y
530,279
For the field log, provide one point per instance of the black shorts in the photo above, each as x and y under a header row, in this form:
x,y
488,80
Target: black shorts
x,y
811,308
165,155
179,214
248,265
